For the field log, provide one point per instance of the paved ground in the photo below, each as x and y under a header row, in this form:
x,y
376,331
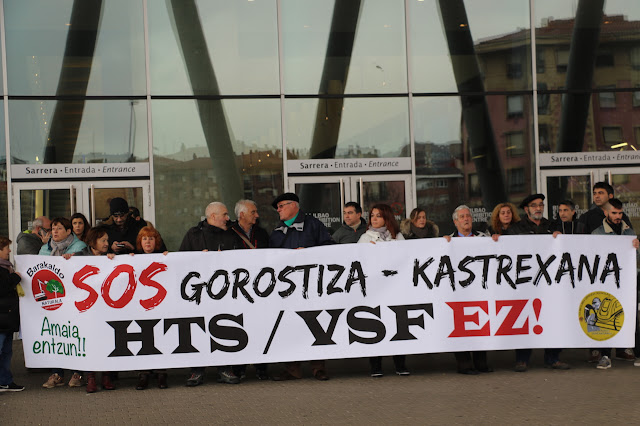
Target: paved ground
x,y
433,394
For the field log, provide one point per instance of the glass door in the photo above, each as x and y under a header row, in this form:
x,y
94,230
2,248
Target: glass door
x,y
324,196
394,190
62,199
573,184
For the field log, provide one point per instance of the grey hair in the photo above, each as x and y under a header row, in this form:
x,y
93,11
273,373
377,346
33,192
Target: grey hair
x,y
241,206
460,207
212,207
36,223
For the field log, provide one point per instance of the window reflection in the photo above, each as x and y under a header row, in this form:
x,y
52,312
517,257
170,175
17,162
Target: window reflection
x,y
501,45
361,128
235,41
344,46
4,201
75,47
193,165
92,131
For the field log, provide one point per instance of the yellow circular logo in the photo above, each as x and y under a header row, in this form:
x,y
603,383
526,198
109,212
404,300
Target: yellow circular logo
x,y
601,315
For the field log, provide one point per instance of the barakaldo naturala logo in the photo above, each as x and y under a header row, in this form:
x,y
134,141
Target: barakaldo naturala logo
x,y
47,285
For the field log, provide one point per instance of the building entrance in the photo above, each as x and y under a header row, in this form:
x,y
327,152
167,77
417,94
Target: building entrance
x,y
577,184
62,199
324,196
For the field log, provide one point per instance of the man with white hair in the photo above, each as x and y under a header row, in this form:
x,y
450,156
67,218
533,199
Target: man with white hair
x,y
30,241
250,236
211,234
469,362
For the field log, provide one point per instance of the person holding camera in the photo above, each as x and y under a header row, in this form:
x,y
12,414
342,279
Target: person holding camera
x,y
124,229
30,241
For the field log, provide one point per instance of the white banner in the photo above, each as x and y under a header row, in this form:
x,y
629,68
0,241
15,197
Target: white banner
x,y
341,301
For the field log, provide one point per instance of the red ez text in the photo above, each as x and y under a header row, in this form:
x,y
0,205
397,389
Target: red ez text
x,y
507,328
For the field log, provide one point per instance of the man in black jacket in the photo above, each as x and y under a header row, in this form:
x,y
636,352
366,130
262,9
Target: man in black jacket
x,y
535,223
353,226
211,235
567,221
250,236
124,229
591,220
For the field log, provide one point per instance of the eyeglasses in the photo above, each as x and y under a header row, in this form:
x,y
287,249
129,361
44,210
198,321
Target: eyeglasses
x,y
119,214
536,205
281,206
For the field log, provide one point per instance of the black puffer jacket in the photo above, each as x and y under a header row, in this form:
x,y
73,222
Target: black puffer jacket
x,y
9,306
204,236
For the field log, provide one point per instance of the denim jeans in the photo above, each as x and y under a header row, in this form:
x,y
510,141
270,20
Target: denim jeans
x,y
6,351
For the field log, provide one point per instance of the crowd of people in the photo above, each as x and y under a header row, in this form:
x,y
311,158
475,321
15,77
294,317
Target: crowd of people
x,y
127,233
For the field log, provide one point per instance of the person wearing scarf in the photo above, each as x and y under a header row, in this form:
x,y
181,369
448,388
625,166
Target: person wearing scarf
x,y
63,240
9,315
383,227
418,226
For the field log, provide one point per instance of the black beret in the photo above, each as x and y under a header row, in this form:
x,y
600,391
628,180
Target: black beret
x,y
119,205
529,199
283,197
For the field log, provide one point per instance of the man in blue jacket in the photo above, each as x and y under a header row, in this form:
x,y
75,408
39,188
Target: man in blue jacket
x,y
298,230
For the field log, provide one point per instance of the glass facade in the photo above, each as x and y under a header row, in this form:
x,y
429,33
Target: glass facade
x,y
473,101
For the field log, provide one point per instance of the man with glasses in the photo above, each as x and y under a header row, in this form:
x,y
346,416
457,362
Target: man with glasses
x,y
30,241
535,223
124,229
298,230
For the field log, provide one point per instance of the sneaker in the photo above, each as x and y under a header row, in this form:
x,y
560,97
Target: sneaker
x,y
11,387
595,356
53,381
604,363
227,376
376,372
626,355
636,363
195,380
76,381
403,371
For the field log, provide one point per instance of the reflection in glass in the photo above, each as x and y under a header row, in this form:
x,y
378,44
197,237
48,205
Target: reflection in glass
x,y
51,203
112,131
104,195
75,47
195,164
329,210
4,200
367,128
500,37
611,123
575,188
446,175
586,45
343,46
627,189
386,192
235,42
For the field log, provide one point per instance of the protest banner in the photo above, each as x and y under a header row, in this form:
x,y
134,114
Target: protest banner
x,y
339,301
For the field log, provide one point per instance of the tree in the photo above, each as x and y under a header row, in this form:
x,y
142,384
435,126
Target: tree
x,y
55,287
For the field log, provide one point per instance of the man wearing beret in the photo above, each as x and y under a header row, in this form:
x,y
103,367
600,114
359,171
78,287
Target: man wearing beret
x,y
297,230
535,223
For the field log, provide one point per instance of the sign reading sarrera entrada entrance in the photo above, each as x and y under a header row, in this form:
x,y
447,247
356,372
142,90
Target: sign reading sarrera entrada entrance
x,y
349,165
591,159
78,171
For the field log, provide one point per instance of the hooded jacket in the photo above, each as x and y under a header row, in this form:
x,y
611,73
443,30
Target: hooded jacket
x,y
431,227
